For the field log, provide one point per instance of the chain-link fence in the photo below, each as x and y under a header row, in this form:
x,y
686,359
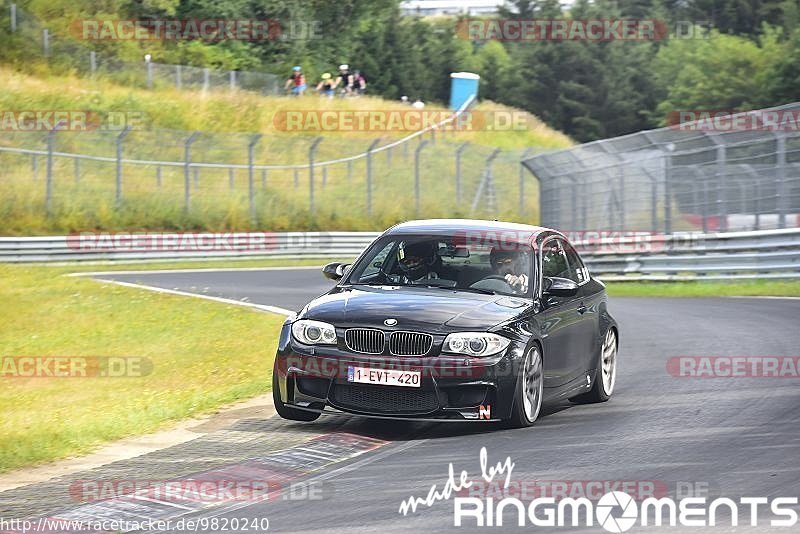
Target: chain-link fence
x,y
728,173
63,180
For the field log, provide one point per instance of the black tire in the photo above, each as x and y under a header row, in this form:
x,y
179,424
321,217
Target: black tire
x,y
598,392
287,412
519,416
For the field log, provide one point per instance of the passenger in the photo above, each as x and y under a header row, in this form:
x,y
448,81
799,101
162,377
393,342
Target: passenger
x,y
512,267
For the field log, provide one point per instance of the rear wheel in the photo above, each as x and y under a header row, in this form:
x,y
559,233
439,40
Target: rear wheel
x,y
605,376
530,388
287,412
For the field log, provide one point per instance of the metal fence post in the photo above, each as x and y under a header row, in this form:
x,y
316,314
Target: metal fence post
x,y
231,179
178,77
206,79
251,190
311,150
158,176
459,151
120,138
93,63
486,183
668,189
46,42
48,187
369,174
187,162
780,178
416,176
149,67
525,155
13,17
719,177
232,79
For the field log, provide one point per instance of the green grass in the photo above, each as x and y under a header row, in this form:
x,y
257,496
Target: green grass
x,y
204,355
776,288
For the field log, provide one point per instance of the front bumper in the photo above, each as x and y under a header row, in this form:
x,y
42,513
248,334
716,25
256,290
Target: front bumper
x,y
452,388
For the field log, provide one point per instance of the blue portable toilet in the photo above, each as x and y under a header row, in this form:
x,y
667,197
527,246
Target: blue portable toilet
x,y
463,85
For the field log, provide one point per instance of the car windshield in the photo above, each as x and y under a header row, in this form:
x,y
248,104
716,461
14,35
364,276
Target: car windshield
x,y
452,262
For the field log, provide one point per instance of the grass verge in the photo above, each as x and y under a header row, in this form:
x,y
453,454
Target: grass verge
x,y
203,354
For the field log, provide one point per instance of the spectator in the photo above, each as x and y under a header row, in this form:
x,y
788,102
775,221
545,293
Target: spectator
x,y
418,104
345,80
359,83
326,86
296,82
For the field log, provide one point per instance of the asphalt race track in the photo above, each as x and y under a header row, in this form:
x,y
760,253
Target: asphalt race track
x,y
737,437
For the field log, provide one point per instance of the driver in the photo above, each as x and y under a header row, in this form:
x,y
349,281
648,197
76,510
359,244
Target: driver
x,y
418,261
511,265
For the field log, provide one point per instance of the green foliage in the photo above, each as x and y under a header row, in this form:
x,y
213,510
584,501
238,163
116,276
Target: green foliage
x,y
741,54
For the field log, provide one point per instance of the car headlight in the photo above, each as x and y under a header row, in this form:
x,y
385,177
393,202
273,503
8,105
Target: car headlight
x,y
314,332
475,343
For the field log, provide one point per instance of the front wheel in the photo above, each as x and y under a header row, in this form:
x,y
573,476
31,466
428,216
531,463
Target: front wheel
x,y
287,412
605,376
530,388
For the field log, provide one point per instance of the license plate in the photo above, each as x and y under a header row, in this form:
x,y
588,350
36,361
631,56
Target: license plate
x,y
385,377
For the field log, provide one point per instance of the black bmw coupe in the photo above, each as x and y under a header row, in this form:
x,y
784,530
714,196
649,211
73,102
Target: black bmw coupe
x,y
450,320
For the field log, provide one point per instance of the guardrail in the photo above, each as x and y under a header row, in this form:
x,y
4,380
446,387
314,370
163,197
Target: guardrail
x,y
676,257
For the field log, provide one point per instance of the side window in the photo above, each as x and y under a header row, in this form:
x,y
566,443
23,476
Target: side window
x,y
577,270
554,260
377,262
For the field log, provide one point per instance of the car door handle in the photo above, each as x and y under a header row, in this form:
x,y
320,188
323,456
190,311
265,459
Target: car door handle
x,y
581,309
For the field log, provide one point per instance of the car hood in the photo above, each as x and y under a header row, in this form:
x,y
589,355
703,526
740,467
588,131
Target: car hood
x,y
414,308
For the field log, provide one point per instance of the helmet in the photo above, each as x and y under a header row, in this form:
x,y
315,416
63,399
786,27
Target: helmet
x,y
326,76
416,259
296,69
344,66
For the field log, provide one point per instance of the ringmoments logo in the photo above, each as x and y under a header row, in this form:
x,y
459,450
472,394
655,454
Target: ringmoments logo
x,y
615,511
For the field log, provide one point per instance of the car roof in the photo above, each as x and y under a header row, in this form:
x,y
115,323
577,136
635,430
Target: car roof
x,y
448,226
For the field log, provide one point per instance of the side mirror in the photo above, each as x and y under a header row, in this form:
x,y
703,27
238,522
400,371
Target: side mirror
x,y
335,271
559,287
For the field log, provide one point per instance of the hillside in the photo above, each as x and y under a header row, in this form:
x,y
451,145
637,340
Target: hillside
x,y
84,193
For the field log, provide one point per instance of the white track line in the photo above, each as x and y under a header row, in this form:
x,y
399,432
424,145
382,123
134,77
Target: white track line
x,y
205,270
262,307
